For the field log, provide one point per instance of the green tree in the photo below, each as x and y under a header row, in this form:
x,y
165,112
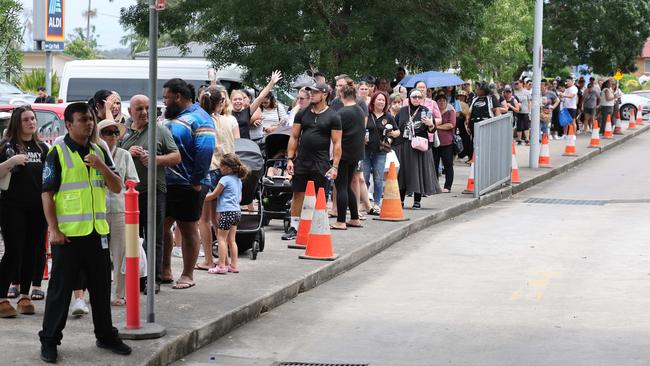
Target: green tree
x,y
10,38
503,43
78,46
331,36
605,34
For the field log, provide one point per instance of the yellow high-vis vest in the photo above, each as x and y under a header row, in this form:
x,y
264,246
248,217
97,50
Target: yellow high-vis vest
x,y
81,200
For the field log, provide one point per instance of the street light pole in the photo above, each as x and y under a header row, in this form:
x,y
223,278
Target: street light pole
x,y
151,171
537,80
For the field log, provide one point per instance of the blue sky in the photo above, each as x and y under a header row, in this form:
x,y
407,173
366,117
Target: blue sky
x,y
106,23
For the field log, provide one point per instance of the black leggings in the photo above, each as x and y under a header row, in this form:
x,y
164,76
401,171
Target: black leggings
x,y
447,155
344,196
23,231
39,265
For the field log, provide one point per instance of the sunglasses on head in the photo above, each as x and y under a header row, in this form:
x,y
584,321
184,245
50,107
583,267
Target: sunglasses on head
x,y
110,132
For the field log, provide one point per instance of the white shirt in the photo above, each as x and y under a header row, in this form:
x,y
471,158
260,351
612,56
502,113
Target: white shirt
x,y
125,168
571,103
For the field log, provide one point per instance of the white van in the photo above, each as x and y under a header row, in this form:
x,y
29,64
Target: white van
x,y
81,79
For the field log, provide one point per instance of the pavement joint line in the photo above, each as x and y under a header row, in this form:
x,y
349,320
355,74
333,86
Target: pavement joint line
x,y
212,330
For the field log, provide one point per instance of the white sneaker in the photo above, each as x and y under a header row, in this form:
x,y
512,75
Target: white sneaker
x,y
177,252
79,308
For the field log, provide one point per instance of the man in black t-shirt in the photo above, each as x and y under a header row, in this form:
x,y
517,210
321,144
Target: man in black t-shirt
x,y
314,129
43,97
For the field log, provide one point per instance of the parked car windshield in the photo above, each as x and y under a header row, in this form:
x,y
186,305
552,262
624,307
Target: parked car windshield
x,y
6,88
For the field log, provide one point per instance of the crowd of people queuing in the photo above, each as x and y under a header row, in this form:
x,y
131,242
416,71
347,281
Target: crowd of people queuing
x,y
343,133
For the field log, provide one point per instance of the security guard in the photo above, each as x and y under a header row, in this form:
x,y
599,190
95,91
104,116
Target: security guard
x,y
76,174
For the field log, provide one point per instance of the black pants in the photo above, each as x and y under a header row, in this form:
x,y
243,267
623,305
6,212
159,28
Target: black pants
x,y
447,155
81,255
417,197
468,147
23,230
161,198
344,196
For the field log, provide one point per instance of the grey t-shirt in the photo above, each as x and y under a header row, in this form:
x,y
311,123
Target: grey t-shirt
x,y
590,99
524,97
165,145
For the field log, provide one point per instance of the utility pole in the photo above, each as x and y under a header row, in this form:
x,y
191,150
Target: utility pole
x,y
88,24
537,80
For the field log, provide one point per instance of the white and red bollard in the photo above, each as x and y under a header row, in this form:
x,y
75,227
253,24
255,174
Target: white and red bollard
x,y
134,328
132,226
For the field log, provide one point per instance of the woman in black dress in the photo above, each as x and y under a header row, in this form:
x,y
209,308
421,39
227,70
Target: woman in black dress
x,y
416,173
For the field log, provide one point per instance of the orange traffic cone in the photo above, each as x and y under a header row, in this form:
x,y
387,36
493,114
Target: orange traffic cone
x,y
595,135
545,153
631,124
570,148
391,204
608,133
305,217
470,179
514,175
639,116
319,245
618,124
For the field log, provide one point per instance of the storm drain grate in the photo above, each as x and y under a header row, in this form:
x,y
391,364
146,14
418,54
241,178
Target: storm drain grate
x,y
319,364
560,201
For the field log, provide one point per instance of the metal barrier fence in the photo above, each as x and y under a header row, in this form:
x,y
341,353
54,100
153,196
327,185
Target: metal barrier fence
x,y
492,153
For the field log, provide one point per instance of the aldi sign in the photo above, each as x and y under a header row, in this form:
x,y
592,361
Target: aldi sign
x,y
54,28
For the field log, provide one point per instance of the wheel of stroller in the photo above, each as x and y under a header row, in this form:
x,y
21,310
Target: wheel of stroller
x,y
215,249
287,225
254,249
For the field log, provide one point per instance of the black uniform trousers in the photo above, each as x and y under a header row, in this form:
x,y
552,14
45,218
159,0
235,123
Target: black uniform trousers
x,y
82,255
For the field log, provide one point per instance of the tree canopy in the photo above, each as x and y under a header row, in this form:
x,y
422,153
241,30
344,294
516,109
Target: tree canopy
x,y
503,43
488,39
78,46
333,36
604,34
10,37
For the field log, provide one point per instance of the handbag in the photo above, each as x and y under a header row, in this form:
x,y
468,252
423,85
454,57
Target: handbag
x,y
565,117
420,143
458,146
385,145
436,139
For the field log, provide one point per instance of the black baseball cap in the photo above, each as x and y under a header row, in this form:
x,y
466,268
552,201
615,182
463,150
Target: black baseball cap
x,y
321,87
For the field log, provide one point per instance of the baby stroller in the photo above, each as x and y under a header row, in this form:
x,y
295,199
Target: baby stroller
x,y
276,187
250,234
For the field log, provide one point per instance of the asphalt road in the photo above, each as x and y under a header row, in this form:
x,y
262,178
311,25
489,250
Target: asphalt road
x,y
555,282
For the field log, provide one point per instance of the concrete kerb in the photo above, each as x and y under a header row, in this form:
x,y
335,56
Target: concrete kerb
x,y
212,330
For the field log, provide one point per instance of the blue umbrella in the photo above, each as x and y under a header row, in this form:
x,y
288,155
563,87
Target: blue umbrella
x,y
433,79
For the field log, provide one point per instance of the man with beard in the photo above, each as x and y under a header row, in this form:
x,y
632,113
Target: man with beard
x,y
136,141
187,182
314,128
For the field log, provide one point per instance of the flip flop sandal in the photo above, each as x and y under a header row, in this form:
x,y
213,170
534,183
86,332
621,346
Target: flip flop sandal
x,y
167,281
118,302
201,268
183,285
37,295
337,228
354,225
13,292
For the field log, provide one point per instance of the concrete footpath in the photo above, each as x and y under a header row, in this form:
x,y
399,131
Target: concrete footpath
x,y
218,304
